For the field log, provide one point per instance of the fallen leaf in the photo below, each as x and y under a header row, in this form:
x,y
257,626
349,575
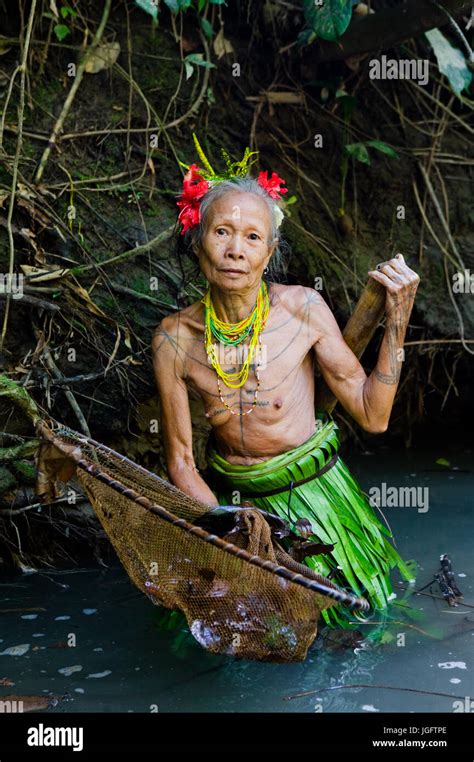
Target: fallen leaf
x,y
103,57
222,46
39,275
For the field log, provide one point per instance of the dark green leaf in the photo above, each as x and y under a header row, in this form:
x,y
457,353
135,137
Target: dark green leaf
x,y
358,151
305,37
330,19
149,7
348,102
207,28
173,5
383,147
67,11
61,31
197,58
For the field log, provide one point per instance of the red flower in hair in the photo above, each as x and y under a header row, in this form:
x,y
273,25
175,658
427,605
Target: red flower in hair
x,y
194,187
272,185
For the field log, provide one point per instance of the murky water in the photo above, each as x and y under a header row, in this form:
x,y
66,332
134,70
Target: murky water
x,y
123,661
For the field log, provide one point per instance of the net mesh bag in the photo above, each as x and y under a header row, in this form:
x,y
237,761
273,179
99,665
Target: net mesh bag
x,y
247,598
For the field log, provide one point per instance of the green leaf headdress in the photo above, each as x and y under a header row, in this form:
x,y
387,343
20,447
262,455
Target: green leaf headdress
x,y
199,179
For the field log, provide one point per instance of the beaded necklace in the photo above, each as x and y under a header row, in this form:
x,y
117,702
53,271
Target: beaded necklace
x,y
232,334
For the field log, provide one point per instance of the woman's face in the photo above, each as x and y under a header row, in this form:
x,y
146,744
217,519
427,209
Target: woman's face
x,y
234,251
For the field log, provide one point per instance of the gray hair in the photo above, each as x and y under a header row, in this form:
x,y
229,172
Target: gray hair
x,y
277,265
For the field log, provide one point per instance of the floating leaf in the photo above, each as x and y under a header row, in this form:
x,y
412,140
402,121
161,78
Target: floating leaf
x,y
443,462
31,703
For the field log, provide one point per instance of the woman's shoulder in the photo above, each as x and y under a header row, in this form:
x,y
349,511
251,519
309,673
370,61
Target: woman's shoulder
x,y
294,296
185,321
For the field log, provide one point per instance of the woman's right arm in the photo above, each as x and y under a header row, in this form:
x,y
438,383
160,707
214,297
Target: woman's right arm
x,y
169,370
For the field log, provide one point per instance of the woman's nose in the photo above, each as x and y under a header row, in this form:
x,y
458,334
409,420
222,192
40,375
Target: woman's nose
x,y
235,246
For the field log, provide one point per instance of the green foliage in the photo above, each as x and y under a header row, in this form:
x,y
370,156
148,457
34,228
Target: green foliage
x,y
329,19
233,168
19,396
176,6
451,61
61,31
198,60
149,6
359,150
24,471
7,480
66,11
355,150
206,27
348,104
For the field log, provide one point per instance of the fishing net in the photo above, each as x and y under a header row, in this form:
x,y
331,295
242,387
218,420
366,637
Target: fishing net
x,y
242,593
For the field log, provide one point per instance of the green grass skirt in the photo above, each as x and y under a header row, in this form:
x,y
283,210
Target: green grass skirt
x,y
336,508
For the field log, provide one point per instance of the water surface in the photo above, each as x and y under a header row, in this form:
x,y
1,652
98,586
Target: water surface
x,y
123,661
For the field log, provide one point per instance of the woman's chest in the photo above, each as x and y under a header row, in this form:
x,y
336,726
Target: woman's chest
x,y
273,372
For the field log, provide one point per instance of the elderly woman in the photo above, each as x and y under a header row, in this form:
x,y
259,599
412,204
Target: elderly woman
x,y
248,349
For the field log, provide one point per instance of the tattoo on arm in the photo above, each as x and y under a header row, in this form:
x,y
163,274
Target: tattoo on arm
x,y
388,378
314,298
156,344
395,343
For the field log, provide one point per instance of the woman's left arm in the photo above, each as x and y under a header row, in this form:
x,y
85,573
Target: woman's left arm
x,y
401,283
368,399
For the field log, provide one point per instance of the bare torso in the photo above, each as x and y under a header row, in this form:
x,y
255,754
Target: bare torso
x,y
284,416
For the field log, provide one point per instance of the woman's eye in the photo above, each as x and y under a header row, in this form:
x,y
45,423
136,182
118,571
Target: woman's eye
x,y
256,236
218,229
